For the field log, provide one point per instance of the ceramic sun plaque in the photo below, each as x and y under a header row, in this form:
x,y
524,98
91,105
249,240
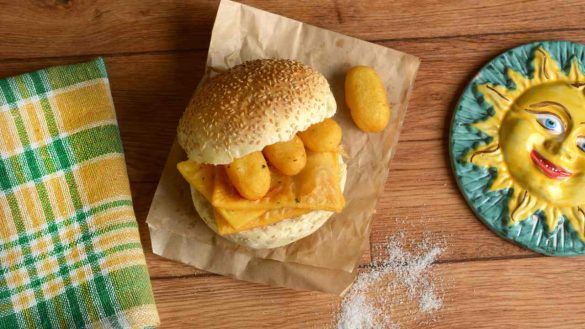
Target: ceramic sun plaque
x,y
518,146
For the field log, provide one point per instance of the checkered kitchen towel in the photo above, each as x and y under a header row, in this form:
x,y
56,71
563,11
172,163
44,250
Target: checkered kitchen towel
x,y
70,253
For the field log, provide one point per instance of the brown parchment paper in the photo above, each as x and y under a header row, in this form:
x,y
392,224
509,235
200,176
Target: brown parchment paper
x,y
327,259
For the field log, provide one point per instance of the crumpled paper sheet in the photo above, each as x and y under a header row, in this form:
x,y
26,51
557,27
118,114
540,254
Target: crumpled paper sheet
x,y
326,260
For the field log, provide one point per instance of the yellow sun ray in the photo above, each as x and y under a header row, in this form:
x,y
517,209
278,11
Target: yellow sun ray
x,y
552,215
491,126
499,97
576,217
575,73
523,204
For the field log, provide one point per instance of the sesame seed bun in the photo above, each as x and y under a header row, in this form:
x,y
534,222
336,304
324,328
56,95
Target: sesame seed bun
x,y
275,235
250,106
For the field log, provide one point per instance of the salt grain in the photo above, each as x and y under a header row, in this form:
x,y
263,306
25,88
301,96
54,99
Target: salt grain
x,y
429,302
401,280
367,317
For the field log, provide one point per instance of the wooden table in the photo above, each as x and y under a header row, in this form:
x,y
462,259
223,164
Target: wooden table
x,y
155,53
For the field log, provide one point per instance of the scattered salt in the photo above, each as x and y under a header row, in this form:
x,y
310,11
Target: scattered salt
x,y
429,302
381,288
367,317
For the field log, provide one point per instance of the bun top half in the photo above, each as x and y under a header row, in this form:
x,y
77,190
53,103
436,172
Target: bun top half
x,y
250,106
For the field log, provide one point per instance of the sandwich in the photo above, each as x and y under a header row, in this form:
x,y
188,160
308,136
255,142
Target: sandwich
x,y
264,158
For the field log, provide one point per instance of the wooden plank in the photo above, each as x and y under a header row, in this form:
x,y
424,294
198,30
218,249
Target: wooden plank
x,y
151,90
528,293
71,28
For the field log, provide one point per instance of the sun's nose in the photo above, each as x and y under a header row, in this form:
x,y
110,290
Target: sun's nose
x,y
554,146
560,148
568,148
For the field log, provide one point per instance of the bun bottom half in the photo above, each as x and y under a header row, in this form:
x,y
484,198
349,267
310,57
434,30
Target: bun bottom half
x,y
275,235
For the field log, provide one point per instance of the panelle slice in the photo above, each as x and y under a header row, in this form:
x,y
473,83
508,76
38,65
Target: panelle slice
x,y
200,176
316,187
267,218
237,219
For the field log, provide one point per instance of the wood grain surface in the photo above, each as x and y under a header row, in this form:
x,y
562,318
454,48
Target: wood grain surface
x,y
155,53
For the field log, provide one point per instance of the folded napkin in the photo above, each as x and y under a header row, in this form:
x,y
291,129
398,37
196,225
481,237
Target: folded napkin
x,y
70,252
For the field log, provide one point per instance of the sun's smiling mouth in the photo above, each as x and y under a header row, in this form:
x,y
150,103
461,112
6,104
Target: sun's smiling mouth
x,y
548,168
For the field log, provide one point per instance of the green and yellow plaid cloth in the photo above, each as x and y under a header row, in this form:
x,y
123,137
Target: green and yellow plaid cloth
x,y
70,252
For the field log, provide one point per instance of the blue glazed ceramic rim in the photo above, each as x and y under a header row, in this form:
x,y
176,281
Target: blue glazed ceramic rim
x,y
474,182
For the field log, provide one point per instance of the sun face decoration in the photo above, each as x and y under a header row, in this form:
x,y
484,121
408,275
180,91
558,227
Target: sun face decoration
x,y
538,143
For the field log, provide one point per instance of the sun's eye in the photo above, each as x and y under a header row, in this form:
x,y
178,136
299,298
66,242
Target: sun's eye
x,y
581,143
550,122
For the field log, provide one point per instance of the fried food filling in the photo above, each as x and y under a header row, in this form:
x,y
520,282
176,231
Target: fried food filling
x,y
252,192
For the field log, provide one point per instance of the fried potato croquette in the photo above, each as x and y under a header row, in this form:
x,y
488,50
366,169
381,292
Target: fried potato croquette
x,y
288,157
250,175
324,136
366,98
